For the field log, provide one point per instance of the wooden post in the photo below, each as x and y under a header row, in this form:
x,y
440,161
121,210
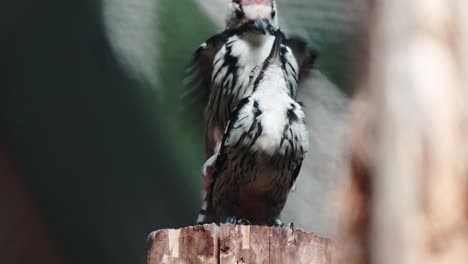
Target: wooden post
x,y
230,243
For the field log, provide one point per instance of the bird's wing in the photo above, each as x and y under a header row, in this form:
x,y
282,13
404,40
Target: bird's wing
x,y
198,85
304,54
213,167
294,176
232,131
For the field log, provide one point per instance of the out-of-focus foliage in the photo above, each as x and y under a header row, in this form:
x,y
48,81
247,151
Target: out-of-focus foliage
x,y
132,32
178,27
182,28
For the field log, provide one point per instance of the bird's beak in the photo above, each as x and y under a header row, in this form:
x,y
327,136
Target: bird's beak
x,y
261,25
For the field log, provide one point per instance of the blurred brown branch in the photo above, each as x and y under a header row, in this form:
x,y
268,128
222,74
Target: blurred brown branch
x,y
408,137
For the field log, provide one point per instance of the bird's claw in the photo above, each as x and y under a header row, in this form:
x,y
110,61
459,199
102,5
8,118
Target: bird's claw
x,y
243,222
230,220
277,222
290,226
233,220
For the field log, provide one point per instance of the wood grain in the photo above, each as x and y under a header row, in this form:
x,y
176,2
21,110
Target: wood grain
x,y
231,243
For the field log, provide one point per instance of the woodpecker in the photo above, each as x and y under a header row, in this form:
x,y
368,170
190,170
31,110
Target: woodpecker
x,y
262,149
221,69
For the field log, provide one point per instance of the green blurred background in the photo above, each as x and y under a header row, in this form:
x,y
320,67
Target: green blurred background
x,y
90,112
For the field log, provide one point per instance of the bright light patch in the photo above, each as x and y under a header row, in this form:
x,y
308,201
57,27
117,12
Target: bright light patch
x,y
253,2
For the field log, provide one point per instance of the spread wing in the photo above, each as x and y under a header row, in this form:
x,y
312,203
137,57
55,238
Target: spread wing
x,y
198,85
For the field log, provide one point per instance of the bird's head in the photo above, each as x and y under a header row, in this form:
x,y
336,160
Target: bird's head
x,y
258,15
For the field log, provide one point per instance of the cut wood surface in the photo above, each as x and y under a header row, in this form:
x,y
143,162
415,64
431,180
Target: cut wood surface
x,y
231,243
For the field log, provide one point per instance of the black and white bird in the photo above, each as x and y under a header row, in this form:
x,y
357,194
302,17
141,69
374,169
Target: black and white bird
x,y
262,149
222,66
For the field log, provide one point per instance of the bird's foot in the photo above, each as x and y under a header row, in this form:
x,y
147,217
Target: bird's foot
x,y
230,220
234,220
277,222
243,222
291,226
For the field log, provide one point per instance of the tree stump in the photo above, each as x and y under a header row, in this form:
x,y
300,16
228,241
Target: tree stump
x,y
231,243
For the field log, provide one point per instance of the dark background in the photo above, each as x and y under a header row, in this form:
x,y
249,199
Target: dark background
x,y
84,135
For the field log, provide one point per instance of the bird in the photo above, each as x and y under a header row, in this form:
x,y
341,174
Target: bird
x,y
221,69
262,150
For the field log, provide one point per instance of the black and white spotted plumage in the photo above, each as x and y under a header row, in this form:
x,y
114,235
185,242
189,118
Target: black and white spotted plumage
x,y
222,66
262,148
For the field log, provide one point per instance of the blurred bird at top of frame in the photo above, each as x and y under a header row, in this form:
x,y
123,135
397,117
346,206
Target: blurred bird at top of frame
x,y
262,149
221,67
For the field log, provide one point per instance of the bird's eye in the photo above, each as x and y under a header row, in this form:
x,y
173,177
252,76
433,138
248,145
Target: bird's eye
x,y
273,14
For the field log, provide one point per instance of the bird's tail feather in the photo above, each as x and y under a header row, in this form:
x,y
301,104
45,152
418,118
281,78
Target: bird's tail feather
x,y
207,214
